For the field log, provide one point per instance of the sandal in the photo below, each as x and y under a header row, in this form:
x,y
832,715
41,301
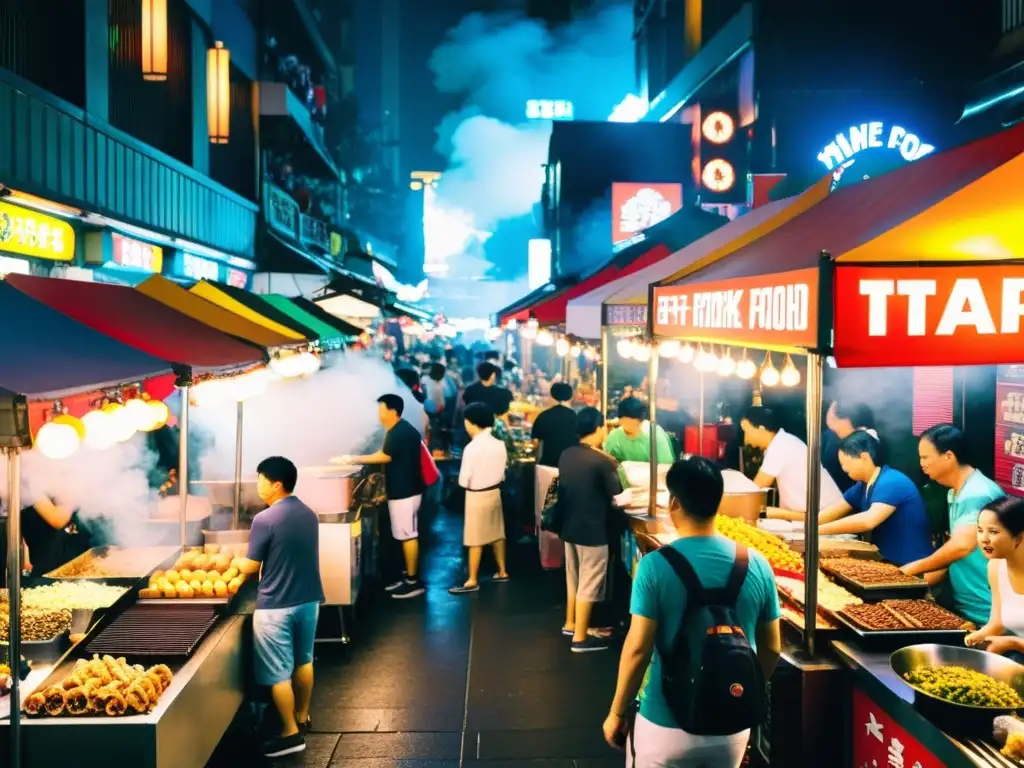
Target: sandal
x,y
500,579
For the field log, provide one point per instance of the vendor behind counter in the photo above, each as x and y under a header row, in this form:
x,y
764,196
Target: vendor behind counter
x,y
631,440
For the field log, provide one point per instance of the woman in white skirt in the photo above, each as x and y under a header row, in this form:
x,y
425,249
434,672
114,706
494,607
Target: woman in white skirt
x,y
483,468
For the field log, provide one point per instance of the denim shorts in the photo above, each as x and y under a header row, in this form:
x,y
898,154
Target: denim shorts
x,y
283,640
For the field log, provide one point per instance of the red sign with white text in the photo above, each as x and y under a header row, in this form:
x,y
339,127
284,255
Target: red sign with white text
x,y
960,314
773,310
135,254
879,742
635,207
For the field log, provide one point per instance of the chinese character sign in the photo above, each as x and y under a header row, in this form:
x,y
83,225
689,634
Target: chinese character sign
x,y
635,207
28,233
879,742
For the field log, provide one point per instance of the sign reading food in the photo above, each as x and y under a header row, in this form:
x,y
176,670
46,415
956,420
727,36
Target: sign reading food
x,y
28,233
959,314
775,310
635,207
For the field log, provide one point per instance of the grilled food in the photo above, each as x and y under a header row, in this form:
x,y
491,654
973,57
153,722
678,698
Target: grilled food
x,y
868,573
925,614
875,617
199,586
103,686
959,685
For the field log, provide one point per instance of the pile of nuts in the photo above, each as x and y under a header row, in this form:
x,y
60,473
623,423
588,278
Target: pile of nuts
x,y
37,625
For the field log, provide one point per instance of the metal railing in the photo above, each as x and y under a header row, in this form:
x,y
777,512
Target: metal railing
x,y
1013,15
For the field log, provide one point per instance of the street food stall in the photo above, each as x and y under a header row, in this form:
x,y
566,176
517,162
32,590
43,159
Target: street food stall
x,y
916,267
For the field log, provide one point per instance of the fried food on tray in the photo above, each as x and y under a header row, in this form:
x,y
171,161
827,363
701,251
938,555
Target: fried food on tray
x,y
103,686
775,550
34,704
77,701
874,616
925,614
869,573
68,595
960,685
37,625
55,700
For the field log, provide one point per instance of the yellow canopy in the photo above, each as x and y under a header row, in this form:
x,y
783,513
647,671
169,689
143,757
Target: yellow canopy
x,y
212,294
211,314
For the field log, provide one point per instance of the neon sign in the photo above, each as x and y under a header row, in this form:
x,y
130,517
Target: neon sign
x,y
874,135
549,109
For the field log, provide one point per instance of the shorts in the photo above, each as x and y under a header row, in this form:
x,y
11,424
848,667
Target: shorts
x,y
586,569
405,517
283,641
659,747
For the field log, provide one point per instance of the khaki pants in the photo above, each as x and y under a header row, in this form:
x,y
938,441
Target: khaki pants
x,y
586,569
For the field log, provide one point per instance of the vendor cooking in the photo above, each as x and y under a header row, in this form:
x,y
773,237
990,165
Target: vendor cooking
x,y
885,503
785,463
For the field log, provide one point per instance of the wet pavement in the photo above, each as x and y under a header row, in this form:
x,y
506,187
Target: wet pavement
x,y
475,680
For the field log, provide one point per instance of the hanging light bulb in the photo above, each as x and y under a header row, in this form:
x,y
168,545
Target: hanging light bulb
x,y
706,361
769,373
576,350
123,423
493,334
625,348
726,364
71,421
214,392
746,368
56,440
669,348
790,373
562,347
511,325
589,354
642,352
687,353
99,430
545,338
140,414
249,385
529,329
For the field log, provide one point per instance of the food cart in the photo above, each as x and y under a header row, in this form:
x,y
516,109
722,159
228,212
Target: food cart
x,y
851,278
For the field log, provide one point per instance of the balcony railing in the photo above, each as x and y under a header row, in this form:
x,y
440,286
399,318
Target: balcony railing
x,y
283,216
1013,15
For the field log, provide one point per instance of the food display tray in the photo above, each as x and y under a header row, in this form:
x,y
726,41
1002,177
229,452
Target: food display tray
x,y
222,604
58,574
877,592
40,651
891,639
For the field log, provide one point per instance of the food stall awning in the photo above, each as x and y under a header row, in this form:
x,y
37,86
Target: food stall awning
x,y
400,308
785,262
219,296
260,305
135,319
342,326
350,308
326,333
584,315
213,315
49,355
677,231
520,309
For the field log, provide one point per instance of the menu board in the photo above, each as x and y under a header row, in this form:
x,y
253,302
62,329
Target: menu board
x,y
1009,448
879,741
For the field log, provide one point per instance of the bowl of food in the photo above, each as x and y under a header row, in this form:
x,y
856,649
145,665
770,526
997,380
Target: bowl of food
x,y
960,689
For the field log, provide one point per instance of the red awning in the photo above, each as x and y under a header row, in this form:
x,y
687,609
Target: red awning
x,y
854,215
135,319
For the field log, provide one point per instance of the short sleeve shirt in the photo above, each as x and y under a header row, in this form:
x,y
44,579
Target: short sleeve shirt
x,y
905,536
285,538
498,399
556,429
658,594
626,448
403,476
968,577
588,481
786,461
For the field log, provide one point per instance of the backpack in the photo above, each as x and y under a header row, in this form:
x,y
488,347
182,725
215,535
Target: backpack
x,y
715,687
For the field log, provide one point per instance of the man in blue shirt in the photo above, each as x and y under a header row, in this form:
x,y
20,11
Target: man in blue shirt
x,y
943,453
658,604
886,502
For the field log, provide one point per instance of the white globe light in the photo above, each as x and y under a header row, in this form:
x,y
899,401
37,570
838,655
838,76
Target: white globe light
x,y
161,413
669,348
589,353
57,441
544,338
746,369
687,353
123,424
141,415
790,374
770,374
625,348
726,365
706,361
575,350
211,393
562,347
642,353
99,430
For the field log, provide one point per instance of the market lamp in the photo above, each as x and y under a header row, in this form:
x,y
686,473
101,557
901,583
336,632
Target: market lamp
x,y
123,426
726,364
790,373
576,350
161,413
686,353
625,348
154,40
589,354
61,436
706,361
669,348
562,347
218,93
99,430
530,328
545,338
746,368
769,373
141,414
642,352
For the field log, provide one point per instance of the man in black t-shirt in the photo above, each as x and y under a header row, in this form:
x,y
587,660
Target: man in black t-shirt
x,y
487,391
555,428
403,481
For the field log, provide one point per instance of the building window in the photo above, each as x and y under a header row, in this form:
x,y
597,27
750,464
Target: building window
x,y
1013,15
47,54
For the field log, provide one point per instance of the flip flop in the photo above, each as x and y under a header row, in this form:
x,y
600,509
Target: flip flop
x,y
464,590
499,579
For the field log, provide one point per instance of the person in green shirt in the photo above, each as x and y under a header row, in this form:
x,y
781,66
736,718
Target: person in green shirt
x,y
631,440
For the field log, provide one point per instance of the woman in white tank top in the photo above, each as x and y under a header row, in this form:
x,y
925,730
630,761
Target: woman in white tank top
x,y
1001,540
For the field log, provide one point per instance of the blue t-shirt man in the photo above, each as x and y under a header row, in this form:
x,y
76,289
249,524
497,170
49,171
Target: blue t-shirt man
x,y
968,576
285,538
904,536
659,595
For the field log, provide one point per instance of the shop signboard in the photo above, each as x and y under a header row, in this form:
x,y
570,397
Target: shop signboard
x,y
135,254
28,233
237,278
197,268
779,310
635,207
281,212
951,314
1009,448
618,315
870,136
879,741
313,232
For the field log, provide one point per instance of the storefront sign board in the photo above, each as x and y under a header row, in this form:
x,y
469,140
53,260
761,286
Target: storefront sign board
x,y
955,314
635,207
618,315
236,278
197,268
880,742
135,254
779,310
281,211
28,233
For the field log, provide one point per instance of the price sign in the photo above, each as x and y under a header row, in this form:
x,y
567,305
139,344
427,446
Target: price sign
x,y
879,742
34,234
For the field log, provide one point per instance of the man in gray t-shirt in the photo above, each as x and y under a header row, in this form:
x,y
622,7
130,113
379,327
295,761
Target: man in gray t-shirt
x,y
284,540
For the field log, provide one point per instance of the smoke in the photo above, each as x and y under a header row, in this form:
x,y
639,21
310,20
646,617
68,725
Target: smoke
x,y
497,63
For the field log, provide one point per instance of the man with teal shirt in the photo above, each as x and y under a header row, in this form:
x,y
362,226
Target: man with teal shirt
x,y
631,440
943,453
658,605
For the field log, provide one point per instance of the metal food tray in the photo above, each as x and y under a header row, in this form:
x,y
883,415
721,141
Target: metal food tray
x,y
878,592
116,581
889,639
40,650
224,604
143,633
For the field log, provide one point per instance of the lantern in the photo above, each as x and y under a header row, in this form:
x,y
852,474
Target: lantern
x,y
99,430
154,40
746,368
726,364
769,373
57,440
218,93
562,347
790,373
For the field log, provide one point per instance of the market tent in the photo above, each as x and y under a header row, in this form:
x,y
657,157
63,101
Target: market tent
x,y
344,327
326,333
49,355
265,308
219,295
854,216
677,231
143,323
519,310
174,296
584,314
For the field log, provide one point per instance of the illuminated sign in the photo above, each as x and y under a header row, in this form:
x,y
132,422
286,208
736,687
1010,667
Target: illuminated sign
x,y
198,268
942,315
635,207
134,254
549,109
874,135
718,127
538,262
28,233
718,175
237,279
772,310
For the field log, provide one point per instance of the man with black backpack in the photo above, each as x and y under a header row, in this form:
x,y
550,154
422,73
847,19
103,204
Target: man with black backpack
x,y
714,639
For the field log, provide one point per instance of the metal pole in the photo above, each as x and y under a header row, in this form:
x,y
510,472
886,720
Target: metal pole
x,y
815,382
605,334
238,467
652,380
700,423
14,595
183,463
